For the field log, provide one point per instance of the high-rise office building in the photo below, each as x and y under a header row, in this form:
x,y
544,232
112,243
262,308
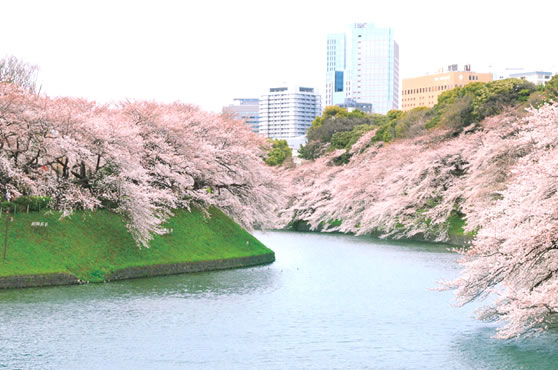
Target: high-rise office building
x,y
336,69
288,112
363,65
247,110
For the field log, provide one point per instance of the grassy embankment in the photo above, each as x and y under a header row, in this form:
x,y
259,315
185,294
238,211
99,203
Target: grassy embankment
x,y
92,245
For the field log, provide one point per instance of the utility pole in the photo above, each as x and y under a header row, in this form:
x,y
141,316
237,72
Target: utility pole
x,y
6,236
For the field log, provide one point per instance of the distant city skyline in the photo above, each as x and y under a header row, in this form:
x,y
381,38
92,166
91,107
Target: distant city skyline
x,y
208,53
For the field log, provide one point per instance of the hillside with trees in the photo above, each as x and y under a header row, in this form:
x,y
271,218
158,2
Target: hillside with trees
x,y
138,159
480,165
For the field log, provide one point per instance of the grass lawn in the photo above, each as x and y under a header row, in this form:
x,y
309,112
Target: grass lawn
x,y
90,245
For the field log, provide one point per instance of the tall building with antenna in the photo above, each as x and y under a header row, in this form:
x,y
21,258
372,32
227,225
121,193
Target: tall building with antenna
x,y
363,65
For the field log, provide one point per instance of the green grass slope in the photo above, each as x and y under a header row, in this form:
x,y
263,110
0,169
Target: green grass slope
x,y
90,245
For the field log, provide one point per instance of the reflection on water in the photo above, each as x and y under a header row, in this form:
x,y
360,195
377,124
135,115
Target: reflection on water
x,y
477,349
192,286
329,301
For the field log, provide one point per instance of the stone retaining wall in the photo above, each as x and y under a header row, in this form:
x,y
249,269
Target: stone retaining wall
x,y
198,266
27,281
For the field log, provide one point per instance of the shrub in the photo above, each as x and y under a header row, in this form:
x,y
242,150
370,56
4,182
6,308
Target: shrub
x,y
311,150
472,103
551,88
341,160
346,139
279,152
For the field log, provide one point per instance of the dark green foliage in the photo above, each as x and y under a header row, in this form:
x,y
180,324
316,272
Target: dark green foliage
x,y
551,88
462,106
335,223
411,123
498,94
346,139
456,223
312,150
544,94
335,119
455,110
385,133
279,152
337,129
342,159
339,140
401,124
456,115
394,114
336,124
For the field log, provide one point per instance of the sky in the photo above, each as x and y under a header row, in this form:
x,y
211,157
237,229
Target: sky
x,y
208,52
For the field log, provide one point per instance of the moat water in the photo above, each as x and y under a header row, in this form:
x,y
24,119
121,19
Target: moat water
x,y
329,301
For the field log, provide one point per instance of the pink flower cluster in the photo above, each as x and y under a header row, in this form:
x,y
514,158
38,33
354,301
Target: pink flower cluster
x,y
500,174
141,159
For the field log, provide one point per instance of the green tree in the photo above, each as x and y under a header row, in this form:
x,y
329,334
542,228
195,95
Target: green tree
x,y
279,152
472,103
551,88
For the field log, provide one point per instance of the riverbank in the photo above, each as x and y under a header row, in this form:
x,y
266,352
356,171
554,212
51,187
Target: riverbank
x,y
456,234
320,305
96,247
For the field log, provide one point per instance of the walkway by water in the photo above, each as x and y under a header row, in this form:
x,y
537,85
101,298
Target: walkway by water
x,y
329,301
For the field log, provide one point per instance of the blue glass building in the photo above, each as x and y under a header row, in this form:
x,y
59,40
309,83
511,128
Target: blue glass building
x,y
363,65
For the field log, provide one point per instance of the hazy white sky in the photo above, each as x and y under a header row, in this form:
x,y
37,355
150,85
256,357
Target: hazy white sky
x,y
209,52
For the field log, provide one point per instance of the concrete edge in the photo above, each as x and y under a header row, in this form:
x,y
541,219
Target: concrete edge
x,y
55,279
30,281
187,267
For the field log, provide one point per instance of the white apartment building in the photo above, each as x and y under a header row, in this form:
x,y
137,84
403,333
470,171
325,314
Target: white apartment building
x,y
536,77
288,112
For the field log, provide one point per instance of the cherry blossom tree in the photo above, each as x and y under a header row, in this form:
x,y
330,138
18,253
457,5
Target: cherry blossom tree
x,y
16,71
139,159
515,254
500,175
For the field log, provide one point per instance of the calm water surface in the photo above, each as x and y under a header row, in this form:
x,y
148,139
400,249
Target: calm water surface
x,y
329,301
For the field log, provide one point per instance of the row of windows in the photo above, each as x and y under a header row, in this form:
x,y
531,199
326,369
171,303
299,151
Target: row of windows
x,y
295,99
290,95
293,119
304,103
289,111
282,127
291,126
295,108
410,106
420,98
429,89
292,115
289,117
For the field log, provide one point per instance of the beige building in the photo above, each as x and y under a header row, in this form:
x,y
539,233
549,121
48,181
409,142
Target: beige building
x,y
423,91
